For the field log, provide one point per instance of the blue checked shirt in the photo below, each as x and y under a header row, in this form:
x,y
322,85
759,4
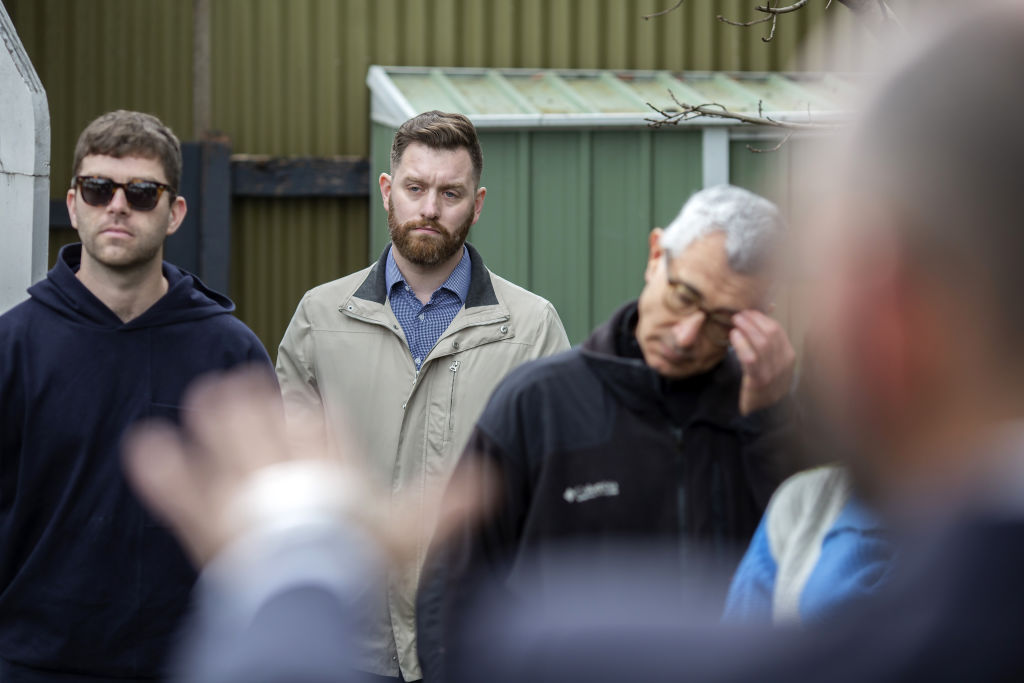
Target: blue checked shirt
x,y
424,324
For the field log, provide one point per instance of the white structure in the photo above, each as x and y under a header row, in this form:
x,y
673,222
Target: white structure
x,y
24,169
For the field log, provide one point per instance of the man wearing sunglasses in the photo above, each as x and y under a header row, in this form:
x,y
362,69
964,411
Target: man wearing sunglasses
x,y
91,587
670,422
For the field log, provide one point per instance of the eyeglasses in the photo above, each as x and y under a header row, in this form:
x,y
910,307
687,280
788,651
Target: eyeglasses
x,y
683,300
141,195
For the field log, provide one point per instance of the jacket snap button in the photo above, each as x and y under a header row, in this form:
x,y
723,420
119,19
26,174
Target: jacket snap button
x,y
455,345
504,329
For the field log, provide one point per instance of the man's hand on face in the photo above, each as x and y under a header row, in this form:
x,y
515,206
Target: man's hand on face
x,y
767,358
234,443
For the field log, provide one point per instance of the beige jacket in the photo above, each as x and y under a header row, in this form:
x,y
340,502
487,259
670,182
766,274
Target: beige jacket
x,y
345,354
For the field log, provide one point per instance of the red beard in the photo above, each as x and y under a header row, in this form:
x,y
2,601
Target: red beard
x,y
426,250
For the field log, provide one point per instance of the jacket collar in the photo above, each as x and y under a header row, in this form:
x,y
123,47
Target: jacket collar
x,y
481,292
644,391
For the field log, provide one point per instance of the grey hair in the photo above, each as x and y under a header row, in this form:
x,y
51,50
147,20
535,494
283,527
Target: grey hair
x,y
752,225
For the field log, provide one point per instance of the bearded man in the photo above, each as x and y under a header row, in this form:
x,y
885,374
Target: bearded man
x,y
408,350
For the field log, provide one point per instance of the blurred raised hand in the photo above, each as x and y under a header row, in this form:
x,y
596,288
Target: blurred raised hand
x,y
234,465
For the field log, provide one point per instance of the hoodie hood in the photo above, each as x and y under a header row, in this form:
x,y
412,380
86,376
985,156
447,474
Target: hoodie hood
x,y
187,298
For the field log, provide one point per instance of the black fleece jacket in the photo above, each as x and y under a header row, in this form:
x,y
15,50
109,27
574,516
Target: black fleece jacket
x,y
593,447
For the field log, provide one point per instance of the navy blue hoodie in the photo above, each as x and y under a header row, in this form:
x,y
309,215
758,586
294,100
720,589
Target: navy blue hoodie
x,y
89,582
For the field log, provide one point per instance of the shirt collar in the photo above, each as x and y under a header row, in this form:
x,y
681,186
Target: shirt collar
x,y
457,283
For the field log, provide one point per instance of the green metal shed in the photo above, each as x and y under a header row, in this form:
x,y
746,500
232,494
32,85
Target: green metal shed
x,y
575,175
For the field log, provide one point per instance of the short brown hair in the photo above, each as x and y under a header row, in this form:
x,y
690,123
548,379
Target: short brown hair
x,y
439,130
124,133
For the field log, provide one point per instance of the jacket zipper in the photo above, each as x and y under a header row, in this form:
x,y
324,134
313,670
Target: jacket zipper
x,y
682,515
681,493
454,369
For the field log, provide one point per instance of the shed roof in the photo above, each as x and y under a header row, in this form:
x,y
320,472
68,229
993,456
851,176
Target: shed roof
x,y
529,98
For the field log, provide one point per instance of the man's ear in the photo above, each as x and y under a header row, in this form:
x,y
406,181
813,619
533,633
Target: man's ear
x,y
385,189
654,253
71,208
178,210
478,203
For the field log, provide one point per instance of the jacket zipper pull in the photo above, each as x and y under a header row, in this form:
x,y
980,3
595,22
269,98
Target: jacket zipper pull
x,y
454,367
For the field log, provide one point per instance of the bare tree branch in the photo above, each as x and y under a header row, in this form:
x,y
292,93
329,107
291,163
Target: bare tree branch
x,y
771,34
772,15
767,9
877,15
715,110
769,150
663,12
745,24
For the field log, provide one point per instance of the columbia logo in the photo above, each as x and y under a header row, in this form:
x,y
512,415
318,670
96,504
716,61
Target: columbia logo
x,y
585,492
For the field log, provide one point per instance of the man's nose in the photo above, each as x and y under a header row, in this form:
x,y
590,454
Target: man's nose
x,y
686,332
119,202
430,208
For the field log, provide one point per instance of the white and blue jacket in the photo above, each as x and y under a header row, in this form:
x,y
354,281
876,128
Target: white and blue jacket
x,y
817,548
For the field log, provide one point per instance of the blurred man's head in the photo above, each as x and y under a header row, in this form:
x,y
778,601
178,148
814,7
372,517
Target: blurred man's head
x,y
709,264
433,194
920,323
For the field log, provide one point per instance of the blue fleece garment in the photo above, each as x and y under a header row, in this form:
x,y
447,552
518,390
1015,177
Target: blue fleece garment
x,y
855,560
752,591
89,582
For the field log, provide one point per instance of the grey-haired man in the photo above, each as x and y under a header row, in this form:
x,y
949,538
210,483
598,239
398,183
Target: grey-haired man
x,y
667,424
